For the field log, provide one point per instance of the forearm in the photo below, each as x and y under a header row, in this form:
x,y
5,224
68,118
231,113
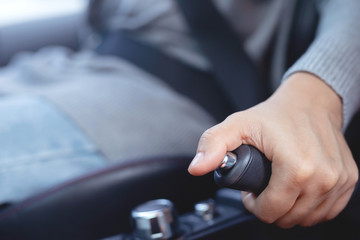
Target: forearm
x,y
334,56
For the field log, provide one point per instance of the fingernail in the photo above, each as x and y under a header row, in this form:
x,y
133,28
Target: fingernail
x,y
199,156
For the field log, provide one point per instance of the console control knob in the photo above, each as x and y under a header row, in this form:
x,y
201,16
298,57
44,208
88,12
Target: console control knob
x,y
246,169
155,219
205,209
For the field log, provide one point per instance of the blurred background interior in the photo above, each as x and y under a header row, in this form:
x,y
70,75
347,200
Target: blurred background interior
x,y
41,23
29,25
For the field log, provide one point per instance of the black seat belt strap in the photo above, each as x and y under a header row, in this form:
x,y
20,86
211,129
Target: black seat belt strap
x,y
198,85
234,69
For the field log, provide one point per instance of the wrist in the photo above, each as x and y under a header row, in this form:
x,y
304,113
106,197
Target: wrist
x,y
308,93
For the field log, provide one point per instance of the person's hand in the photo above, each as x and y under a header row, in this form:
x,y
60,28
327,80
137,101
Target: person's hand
x,y
299,129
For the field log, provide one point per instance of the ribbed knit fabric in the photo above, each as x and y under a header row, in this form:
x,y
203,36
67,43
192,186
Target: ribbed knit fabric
x,y
334,56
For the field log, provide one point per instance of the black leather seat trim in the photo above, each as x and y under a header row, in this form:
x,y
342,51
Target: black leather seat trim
x,y
98,204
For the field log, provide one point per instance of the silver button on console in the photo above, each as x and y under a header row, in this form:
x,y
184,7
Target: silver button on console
x,y
205,209
155,219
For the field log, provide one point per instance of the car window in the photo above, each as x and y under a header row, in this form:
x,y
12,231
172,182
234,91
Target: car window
x,y
15,11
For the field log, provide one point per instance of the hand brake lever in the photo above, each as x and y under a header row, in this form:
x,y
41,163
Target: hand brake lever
x,y
246,169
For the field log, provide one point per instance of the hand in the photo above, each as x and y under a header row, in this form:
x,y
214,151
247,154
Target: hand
x,y
299,129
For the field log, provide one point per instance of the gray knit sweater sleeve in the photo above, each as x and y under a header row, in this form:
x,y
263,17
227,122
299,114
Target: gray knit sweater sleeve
x,y
334,56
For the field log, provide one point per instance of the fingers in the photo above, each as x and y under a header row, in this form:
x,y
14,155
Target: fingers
x,y
339,205
295,208
299,192
309,209
322,196
276,200
327,210
303,207
216,142
313,172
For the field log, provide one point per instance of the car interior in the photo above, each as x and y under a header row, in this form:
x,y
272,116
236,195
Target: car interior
x,y
116,202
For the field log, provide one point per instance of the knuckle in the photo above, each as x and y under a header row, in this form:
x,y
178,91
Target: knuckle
x,y
234,119
233,116
208,135
329,179
304,172
344,180
354,177
247,123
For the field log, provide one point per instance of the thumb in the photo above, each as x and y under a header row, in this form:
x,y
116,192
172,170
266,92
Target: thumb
x,y
216,141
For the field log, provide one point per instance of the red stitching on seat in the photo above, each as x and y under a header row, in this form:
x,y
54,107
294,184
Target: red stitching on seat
x,y
114,168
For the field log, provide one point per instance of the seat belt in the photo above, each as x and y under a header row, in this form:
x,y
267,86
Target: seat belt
x,y
200,86
303,30
233,68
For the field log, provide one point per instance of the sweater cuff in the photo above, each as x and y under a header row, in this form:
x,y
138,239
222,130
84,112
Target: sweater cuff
x,y
336,61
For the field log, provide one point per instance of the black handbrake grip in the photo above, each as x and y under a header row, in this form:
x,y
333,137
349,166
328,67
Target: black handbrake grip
x,y
246,169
